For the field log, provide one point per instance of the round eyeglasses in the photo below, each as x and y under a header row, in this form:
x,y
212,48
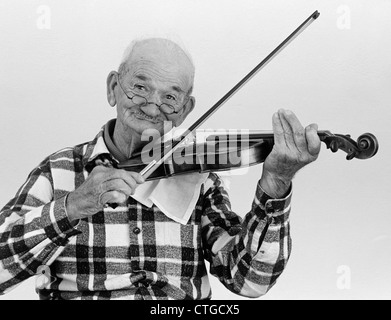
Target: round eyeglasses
x,y
166,108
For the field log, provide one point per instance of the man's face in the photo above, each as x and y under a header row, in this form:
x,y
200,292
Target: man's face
x,y
160,74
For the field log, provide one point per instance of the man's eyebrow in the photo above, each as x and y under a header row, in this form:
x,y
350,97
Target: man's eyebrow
x,y
145,78
142,77
177,89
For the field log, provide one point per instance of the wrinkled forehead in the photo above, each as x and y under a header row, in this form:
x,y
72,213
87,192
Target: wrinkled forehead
x,y
162,58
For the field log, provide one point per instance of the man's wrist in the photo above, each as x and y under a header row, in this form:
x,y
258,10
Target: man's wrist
x,y
275,186
71,210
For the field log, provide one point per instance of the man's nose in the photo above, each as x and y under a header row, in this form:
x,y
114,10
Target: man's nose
x,y
152,108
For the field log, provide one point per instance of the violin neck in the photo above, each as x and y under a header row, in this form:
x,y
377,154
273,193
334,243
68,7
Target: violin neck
x,y
252,135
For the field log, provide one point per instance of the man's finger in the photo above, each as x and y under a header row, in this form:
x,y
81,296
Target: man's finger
x,y
288,132
278,130
130,177
112,197
119,185
136,176
313,140
296,129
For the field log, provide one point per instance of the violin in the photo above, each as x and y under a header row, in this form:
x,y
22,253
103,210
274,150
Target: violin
x,y
227,151
222,151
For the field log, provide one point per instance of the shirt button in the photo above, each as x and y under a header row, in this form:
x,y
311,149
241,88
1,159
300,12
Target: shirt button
x,y
136,230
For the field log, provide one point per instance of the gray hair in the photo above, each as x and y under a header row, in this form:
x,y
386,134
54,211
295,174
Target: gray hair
x,y
123,68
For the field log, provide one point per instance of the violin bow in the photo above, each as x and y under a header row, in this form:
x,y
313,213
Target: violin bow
x,y
165,154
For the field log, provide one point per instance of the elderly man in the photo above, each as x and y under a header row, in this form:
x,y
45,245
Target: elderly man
x,y
59,218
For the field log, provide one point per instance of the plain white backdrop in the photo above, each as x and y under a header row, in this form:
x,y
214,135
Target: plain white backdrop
x,y
55,56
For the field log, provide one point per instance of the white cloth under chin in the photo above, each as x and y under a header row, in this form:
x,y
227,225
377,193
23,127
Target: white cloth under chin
x,y
176,197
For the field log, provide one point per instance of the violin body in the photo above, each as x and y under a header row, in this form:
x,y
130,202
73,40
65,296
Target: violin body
x,y
233,150
205,157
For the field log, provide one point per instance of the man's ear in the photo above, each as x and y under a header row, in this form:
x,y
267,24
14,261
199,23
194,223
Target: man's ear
x,y
111,83
187,108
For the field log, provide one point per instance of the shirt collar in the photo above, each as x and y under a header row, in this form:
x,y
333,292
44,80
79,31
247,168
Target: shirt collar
x,y
102,144
108,132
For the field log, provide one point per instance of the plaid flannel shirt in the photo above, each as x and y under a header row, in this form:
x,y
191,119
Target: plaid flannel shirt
x,y
132,251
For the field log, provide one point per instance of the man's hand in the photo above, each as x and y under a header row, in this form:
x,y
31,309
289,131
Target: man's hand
x,y
103,185
294,147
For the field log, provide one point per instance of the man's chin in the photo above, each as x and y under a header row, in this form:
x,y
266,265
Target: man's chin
x,y
148,127
142,125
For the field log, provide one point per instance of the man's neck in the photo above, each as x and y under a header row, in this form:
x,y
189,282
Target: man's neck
x,y
129,143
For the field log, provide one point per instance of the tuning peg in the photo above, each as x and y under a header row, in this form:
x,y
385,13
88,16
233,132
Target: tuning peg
x,y
334,146
351,155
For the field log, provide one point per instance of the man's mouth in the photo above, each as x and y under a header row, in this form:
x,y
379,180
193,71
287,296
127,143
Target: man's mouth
x,y
142,116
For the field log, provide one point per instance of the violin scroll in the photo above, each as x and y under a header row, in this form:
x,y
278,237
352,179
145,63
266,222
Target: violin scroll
x,y
365,147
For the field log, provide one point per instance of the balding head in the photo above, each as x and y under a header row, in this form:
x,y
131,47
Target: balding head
x,y
166,55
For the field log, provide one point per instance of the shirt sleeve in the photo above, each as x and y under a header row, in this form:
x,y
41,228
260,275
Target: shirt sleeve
x,y
247,255
34,229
